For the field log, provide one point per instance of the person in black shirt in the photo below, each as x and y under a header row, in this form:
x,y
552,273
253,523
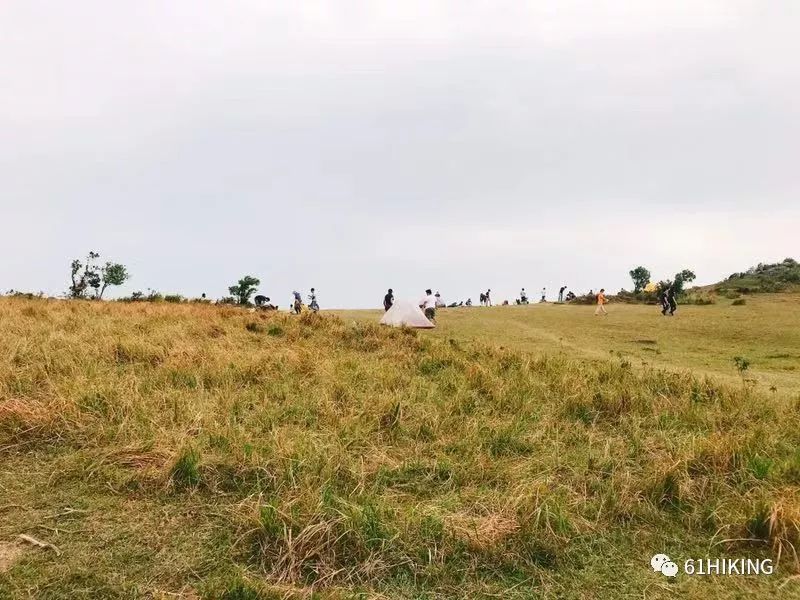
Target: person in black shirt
x,y
388,300
673,303
662,299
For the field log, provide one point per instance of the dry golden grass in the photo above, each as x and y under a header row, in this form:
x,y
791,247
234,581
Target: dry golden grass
x,y
198,451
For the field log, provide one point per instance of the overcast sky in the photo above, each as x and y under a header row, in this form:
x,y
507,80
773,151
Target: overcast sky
x,y
354,146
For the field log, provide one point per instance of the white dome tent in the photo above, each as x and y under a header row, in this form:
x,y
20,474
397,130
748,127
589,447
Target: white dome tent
x,y
405,312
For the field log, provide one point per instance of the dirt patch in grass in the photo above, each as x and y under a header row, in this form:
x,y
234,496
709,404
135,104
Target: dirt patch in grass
x,y
484,531
9,554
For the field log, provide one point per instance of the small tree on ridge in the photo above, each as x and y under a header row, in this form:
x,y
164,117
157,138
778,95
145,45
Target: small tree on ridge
x,y
244,289
90,275
112,274
681,279
641,277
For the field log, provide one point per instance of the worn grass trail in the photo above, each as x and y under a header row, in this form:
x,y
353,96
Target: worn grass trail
x,y
194,451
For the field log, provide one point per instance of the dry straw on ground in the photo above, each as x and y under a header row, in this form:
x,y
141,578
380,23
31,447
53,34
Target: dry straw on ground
x,y
166,447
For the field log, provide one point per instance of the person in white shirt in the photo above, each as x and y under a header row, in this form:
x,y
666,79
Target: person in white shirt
x,y
428,304
439,302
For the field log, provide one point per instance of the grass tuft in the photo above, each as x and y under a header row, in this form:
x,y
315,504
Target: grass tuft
x,y
186,470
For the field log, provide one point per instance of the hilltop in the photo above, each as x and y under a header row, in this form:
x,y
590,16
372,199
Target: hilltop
x,y
175,450
774,277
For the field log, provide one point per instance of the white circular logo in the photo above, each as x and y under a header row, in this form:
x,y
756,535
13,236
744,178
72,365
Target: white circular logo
x,y
662,563
658,561
669,568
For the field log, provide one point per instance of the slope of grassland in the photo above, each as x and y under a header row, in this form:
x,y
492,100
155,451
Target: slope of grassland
x,y
191,451
764,277
700,339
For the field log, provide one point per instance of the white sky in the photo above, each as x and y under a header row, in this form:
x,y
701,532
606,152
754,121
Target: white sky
x,y
355,146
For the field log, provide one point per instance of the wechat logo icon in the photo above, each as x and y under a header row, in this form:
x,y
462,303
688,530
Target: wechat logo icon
x,y
663,564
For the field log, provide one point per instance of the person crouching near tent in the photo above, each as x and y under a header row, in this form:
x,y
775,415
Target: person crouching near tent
x,y
428,304
262,302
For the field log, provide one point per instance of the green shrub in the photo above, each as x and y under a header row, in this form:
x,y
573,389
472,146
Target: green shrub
x,y
585,299
759,466
774,277
506,442
237,588
738,302
240,591
666,492
758,525
699,300
186,471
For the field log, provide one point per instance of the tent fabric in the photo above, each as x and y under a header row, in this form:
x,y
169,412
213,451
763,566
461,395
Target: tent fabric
x,y
405,312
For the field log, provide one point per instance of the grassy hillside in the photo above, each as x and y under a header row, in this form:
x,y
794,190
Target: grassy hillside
x,y
774,277
203,452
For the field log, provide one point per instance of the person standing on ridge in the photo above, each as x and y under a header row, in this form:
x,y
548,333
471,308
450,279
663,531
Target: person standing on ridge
x,y
388,300
312,297
544,295
601,301
561,293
